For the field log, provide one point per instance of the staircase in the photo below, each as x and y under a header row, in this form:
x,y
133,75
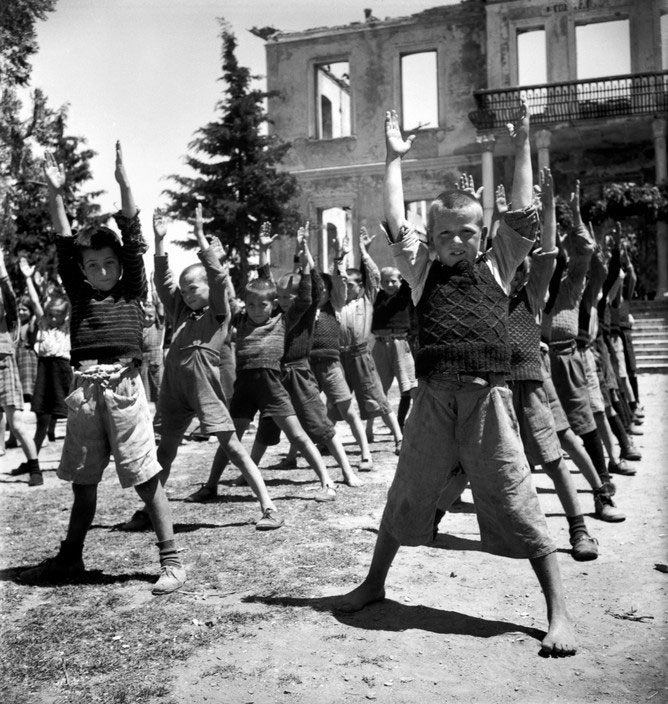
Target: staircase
x,y
650,335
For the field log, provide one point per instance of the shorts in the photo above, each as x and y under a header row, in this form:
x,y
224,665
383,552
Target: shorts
x,y
108,414
456,422
227,369
11,391
260,390
363,380
310,410
595,396
537,429
570,381
394,360
331,380
560,421
191,387
52,386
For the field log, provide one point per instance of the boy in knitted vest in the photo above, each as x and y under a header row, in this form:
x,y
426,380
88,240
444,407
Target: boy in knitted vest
x,y
108,411
463,409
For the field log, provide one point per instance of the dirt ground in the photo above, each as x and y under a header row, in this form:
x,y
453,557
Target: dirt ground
x,y
457,625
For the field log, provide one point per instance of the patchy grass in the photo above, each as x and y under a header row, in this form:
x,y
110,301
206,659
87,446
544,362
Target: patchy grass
x,y
106,639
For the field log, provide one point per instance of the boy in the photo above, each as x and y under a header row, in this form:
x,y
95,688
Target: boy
x,y
297,376
260,341
463,409
108,411
356,320
191,384
393,319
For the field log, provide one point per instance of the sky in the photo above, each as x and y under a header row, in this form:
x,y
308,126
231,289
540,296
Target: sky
x,y
146,72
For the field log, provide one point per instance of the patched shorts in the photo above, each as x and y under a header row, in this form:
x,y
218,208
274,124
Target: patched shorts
x,y
394,360
595,396
260,390
560,421
364,381
537,429
455,422
108,414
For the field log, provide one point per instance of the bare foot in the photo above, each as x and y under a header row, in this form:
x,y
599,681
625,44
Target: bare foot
x,y
353,480
559,641
360,597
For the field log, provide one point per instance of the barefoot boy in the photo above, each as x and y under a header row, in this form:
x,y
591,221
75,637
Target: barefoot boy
x,y
463,409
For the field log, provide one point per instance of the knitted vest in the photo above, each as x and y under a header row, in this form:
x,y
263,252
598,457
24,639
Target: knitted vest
x,y
392,312
326,339
524,334
259,346
463,322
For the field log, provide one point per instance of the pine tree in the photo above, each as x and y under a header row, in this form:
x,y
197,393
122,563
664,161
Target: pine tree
x,y
237,179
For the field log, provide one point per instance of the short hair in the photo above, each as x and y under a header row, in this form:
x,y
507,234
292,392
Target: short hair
x,y
289,282
57,301
448,201
355,275
96,237
195,270
390,271
26,302
264,288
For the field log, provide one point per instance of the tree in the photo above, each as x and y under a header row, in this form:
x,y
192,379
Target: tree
x,y
237,176
24,221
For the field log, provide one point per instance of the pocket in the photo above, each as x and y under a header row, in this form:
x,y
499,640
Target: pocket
x,y
76,399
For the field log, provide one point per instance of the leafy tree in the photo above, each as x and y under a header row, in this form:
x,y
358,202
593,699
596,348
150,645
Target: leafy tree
x,y
237,178
24,221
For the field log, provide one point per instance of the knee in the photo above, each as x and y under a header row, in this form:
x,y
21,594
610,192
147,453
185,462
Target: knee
x,y
300,441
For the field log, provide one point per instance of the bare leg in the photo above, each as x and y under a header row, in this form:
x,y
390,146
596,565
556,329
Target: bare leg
x,y
560,639
17,425
296,435
338,452
606,435
220,459
390,420
573,445
372,588
237,454
351,416
41,429
153,495
82,513
558,472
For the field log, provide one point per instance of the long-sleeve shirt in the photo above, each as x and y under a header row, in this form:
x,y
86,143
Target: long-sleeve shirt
x,y
206,328
560,324
300,319
106,324
357,315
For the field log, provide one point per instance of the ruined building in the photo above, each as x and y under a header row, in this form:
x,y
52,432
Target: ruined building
x,y
457,72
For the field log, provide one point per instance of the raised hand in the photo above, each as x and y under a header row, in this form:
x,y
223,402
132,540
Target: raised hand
x,y
119,171
218,249
159,225
519,127
345,247
574,202
500,199
25,268
365,238
265,238
53,172
467,185
395,144
199,221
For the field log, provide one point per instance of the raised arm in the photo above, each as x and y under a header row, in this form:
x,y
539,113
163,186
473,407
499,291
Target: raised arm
x,y
522,192
128,207
265,241
199,228
55,183
28,272
549,236
339,276
372,274
393,190
159,232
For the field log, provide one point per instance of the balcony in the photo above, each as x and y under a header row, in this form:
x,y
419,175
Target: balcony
x,y
550,103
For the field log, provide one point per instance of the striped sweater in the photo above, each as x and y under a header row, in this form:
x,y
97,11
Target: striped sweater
x,y
106,324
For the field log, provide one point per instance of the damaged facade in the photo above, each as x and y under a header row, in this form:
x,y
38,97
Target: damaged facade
x,y
335,85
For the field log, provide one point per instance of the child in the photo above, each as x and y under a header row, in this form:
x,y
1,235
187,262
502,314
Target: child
x,y
463,409
356,320
108,411
198,309
393,319
297,376
11,392
54,372
260,342
153,335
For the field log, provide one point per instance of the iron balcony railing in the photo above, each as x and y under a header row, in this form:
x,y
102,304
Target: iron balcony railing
x,y
610,96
